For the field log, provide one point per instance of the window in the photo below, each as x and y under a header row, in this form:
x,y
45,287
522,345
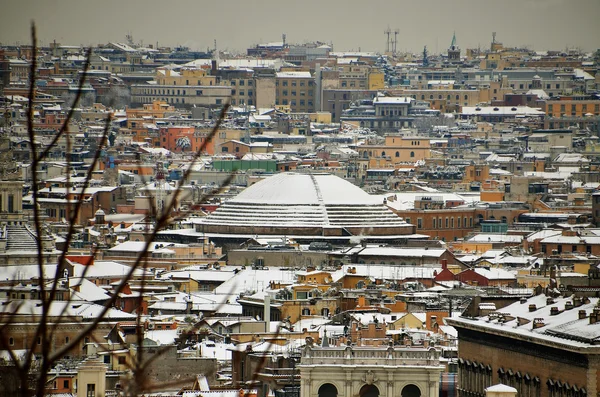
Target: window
x,y
11,341
66,339
199,92
91,390
412,154
65,384
419,223
241,83
447,222
122,360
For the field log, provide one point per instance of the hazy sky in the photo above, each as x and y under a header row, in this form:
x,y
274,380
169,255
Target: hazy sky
x,y
349,24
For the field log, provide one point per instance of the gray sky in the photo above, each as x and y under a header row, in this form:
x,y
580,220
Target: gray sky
x,y
349,24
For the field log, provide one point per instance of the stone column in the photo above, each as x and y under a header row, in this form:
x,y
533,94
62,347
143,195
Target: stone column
x,y
348,391
433,388
390,388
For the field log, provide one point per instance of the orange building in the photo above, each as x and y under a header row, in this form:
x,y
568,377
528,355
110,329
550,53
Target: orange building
x,y
154,110
184,139
436,218
237,148
572,106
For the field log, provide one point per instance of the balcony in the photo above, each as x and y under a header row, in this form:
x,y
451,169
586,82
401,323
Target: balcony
x,y
350,355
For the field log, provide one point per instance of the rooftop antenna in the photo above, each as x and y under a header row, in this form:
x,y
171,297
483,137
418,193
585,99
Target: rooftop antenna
x,y
396,33
387,32
283,37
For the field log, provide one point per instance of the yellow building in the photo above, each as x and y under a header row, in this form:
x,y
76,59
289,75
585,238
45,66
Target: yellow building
x,y
188,77
396,150
296,89
362,77
410,320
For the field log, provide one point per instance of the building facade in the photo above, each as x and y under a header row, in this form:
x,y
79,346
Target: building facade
x,y
369,371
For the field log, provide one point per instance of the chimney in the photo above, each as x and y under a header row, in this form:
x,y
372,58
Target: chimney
x,y
532,307
554,310
444,264
582,314
549,301
523,300
538,323
568,305
267,313
577,301
593,318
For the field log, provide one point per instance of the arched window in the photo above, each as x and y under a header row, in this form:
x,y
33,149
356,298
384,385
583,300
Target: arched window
x,y
412,154
328,390
382,154
411,391
369,391
397,154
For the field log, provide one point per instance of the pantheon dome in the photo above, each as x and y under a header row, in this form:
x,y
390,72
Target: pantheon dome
x,y
302,204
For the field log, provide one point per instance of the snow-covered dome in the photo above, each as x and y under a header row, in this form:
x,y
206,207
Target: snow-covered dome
x,y
100,212
305,204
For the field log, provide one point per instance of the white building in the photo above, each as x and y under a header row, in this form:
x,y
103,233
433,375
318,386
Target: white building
x,y
368,371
